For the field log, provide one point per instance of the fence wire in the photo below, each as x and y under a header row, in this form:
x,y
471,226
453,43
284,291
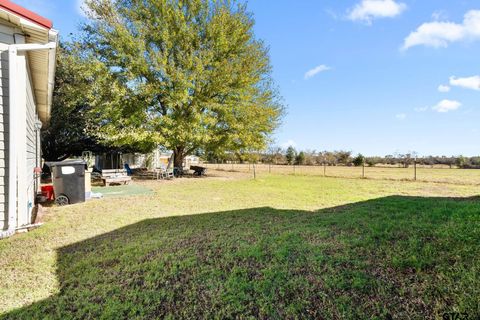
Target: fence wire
x,y
412,173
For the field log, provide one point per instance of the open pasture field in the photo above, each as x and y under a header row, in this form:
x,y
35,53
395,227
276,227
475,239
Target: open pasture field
x,y
440,174
227,246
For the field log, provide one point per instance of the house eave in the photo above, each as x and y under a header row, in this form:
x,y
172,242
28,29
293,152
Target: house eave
x,y
37,30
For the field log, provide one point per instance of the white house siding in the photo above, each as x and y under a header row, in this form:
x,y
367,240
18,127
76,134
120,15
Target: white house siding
x,y
6,36
26,143
25,98
3,138
32,153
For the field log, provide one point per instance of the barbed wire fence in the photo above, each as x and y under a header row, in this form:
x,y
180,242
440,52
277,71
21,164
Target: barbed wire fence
x,y
413,172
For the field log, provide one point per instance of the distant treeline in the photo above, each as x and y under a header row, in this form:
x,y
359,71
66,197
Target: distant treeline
x,y
291,156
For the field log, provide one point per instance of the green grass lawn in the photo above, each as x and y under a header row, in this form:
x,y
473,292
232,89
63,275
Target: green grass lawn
x,y
278,247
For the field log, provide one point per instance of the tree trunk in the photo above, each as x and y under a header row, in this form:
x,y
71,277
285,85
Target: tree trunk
x,y
178,157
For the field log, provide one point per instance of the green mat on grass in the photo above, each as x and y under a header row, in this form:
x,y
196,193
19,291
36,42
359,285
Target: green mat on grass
x,y
122,191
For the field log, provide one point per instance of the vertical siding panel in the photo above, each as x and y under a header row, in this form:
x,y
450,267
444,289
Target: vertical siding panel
x,y
6,36
4,102
31,152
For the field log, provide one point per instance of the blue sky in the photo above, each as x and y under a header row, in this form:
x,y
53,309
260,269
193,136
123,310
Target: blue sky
x,y
370,76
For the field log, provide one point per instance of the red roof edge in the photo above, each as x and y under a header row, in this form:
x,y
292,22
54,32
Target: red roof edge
x,y
25,13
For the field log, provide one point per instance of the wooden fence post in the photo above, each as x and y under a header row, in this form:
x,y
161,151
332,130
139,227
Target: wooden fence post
x,y
363,170
415,170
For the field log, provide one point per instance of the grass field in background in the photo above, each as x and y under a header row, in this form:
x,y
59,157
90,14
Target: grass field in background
x,y
441,174
228,246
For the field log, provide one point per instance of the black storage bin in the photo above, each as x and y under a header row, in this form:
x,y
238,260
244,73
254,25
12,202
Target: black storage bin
x,y
68,179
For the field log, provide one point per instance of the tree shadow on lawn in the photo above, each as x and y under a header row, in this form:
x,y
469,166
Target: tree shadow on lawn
x,y
400,257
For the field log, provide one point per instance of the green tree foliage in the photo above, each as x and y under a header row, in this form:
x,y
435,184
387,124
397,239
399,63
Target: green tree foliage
x,y
300,158
290,155
195,76
83,87
67,133
461,161
359,160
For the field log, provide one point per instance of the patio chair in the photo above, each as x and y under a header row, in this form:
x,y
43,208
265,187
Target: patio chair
x,y
164,173
167,174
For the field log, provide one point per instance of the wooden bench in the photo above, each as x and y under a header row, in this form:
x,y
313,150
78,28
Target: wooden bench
x,y
115,176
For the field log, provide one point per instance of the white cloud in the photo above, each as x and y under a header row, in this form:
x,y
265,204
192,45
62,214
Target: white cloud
x,y
313,72
289,143
467,83
446,106
401,116
443,88
368,10
440,34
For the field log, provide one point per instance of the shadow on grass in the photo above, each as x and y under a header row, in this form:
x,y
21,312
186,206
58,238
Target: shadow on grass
x,y
394,257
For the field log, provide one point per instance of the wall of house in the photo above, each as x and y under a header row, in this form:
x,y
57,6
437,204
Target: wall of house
x,y
6,36
20,137
26,141
32,152
3,138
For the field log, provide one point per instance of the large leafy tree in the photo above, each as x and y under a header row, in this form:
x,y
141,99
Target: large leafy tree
x,y
67,133
83,88
195,77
